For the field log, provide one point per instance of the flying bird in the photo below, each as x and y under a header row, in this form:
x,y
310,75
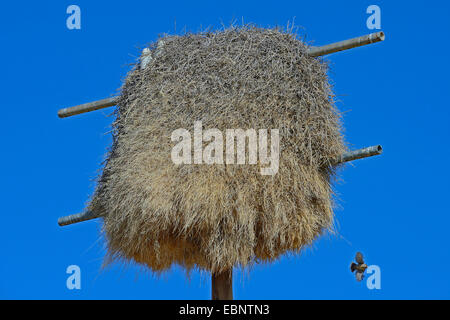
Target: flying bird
x,y
359,266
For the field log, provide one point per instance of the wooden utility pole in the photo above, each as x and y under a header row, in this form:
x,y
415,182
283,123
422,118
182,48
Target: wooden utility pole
x,y
222,285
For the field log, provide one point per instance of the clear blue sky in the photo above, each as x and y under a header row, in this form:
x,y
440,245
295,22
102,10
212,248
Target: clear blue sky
x,y
394,207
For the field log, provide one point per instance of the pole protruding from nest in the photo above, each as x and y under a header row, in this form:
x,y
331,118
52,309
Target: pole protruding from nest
x,y
359,154
346,157
87,107
74,218
222,285
346,44
146,57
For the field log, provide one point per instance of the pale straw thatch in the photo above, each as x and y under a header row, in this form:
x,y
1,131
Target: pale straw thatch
x,y
215,217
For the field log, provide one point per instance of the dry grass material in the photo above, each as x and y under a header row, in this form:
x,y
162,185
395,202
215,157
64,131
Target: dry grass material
x,y
215,217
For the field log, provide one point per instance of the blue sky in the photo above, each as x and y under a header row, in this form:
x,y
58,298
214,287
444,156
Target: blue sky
x,y
393,207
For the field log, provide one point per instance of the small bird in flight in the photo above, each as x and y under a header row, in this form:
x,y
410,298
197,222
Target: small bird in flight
x,y
359,266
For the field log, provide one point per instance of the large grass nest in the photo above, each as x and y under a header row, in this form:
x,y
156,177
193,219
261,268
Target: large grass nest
x,y
215,217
